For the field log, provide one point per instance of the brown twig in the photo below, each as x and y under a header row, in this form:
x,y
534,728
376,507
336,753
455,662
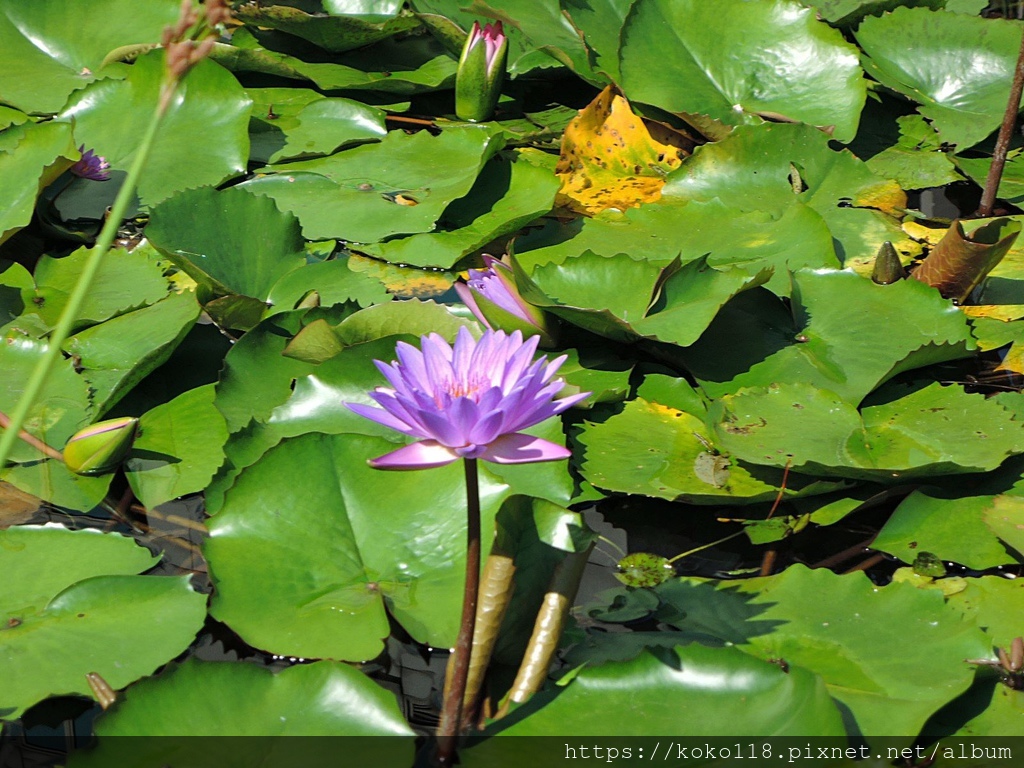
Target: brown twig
x,y
32,440
864,565
846,554
768,561
410,120
995,171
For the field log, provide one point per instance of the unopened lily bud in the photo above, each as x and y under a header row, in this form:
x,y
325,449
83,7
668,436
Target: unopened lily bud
x,y
888,268
492,296
100,447
481,72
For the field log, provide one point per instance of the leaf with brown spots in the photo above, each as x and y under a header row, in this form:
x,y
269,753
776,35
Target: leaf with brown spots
x,y
402,281
610,160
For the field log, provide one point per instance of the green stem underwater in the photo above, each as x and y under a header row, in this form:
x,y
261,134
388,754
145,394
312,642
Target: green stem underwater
x,y
451,712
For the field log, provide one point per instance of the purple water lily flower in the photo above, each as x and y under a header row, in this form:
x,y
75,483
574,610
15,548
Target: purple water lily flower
x,y
470,400
91,166
492,296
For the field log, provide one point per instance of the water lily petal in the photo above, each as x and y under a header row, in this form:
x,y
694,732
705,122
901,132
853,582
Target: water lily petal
x,y
425,454
518,448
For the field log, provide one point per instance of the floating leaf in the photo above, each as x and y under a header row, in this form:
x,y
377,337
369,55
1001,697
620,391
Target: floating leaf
x,y
116,355
398,186
932,431
125,280
48,50
768,58
232,242
316,586
178,449
844,341
88,615
890,675
206,123
685,691
666,464
952,529
321,699
506,196
426,69
957,68
610,160
36,154
335,33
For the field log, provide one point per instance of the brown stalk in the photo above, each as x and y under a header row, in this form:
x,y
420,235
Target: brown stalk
x,y
32,440
995,171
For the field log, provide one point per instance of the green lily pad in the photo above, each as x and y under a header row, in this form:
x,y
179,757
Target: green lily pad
x,y
506,196
126,280
768,167
398,186
334,282
321,699
34,155
736,63
61,408
995,604
957,68
335,33
290,123
179,446
790,239
930,431
686,691
306,568
88,615
915,161
207,124
116,355
890,675
428,69
952,529
232,241
625,298
845,339
51,49
669,463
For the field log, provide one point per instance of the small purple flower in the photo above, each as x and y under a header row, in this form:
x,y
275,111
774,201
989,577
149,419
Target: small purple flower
x,y
491,295
91,166
470,400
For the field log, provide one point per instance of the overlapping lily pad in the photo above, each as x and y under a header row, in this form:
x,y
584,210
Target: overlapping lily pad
x,y
322,699
928,431
315,559
737,62
399,186
92,614
207,123
957,68
885,672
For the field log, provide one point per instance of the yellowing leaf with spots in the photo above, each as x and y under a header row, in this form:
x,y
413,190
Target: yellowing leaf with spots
x,y
610,160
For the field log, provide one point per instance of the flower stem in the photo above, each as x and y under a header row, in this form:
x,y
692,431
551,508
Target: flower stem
x,y
995,171
60,334
451,711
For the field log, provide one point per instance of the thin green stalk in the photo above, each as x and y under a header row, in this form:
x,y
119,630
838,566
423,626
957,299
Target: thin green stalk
x,y
451,712
60,334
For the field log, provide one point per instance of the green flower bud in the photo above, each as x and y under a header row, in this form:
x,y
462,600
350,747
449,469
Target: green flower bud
x,y
100,447
481,71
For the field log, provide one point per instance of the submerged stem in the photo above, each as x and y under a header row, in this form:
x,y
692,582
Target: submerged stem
x,y
451,711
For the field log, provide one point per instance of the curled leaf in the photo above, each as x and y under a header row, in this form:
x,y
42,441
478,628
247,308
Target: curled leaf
x,y
960,262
